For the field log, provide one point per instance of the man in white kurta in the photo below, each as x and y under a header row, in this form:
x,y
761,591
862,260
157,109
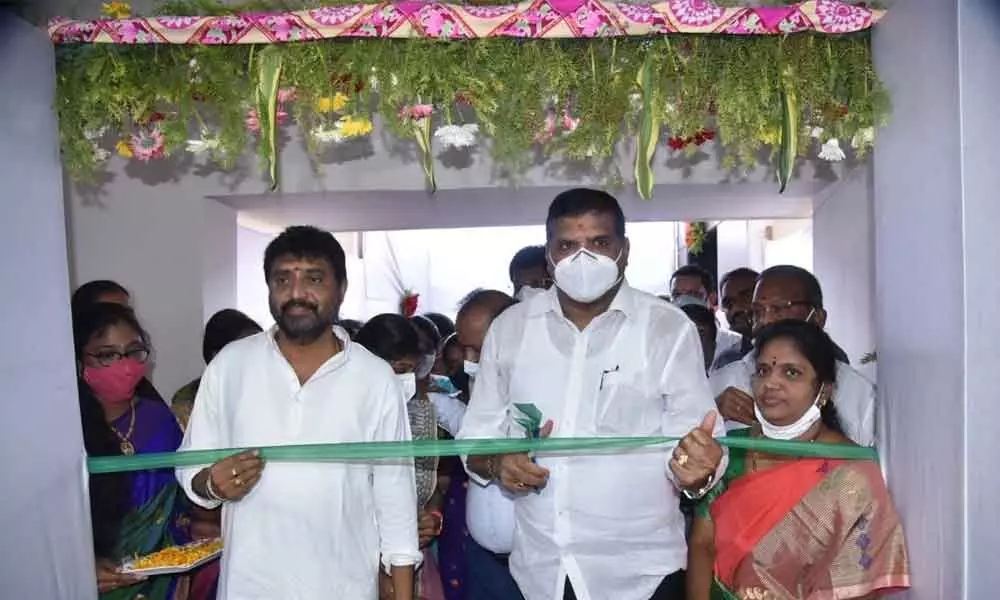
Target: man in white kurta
x,y
308,530
304,530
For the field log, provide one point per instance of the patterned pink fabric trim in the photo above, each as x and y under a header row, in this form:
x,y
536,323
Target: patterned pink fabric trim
x,y
529,19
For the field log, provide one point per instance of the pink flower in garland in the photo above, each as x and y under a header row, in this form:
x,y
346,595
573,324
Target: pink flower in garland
x,y
286,95
148,144
252,120
569,124
416,112
548,130
553,123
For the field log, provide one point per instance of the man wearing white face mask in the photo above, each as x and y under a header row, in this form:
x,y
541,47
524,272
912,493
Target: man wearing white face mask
x,y
596,358
489,508
789,292
529,272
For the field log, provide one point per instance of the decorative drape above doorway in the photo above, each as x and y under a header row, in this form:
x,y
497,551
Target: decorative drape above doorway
x,y
796,78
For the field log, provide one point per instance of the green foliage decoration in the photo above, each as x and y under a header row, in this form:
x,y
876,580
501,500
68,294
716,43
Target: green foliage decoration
x,y
729,84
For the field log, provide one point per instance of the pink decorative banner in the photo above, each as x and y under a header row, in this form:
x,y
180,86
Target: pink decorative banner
x,y
535,19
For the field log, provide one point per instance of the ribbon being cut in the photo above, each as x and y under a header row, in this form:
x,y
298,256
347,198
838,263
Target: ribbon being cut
x,y
372,451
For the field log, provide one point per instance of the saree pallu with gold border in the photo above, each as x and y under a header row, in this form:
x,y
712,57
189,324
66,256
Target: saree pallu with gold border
x,y
812,529
159,516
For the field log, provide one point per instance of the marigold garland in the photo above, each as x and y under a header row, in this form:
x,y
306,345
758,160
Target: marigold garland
x,y
575,97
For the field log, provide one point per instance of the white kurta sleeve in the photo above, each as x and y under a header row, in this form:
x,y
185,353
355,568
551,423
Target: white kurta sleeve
x,y
394,484
855,398
486,416
685,388
450,411
205,430
733,375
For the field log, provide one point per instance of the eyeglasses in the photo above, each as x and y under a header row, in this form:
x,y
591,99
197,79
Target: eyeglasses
x,y
106,358
779,310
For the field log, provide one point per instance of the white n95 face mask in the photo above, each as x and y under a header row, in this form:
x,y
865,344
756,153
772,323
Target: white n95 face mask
x,y
585,276
408,383
794,430
527,292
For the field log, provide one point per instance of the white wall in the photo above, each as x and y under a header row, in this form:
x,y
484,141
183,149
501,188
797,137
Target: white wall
x,y
46,549
164,243
219,258
937,291
979,55
442,265
763,243
844,262
251,293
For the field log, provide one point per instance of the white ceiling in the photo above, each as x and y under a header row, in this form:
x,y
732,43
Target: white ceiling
x,y
397,210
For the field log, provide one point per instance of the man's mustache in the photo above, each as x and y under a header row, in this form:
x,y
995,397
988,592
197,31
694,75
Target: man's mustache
x,y
299,303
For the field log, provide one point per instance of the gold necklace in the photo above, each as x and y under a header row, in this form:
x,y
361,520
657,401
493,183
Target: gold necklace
x,y
125,443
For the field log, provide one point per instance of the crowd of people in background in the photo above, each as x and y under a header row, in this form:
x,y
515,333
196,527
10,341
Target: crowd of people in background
x,y
572,340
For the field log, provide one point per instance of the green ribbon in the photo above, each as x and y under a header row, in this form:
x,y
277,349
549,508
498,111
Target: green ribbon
x,y
371,451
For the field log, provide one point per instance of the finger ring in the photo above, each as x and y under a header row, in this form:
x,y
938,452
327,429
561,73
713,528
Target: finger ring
x,y
238,482
682,459
519,484
234,472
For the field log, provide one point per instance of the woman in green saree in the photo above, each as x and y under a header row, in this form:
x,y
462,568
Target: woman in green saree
x,y
136,513
786,528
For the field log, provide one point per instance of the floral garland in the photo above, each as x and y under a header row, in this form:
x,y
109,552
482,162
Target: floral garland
x,y
806,94
408,304
694,237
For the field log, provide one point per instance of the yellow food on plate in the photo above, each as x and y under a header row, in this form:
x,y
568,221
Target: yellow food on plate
x,y
177,556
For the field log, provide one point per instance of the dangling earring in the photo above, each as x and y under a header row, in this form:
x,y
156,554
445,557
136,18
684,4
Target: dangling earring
x,y
821,400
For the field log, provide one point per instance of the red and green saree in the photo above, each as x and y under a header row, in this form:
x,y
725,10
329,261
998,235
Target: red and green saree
x,y
809,529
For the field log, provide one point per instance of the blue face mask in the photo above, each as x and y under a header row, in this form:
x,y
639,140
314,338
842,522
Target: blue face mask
x,y
443,384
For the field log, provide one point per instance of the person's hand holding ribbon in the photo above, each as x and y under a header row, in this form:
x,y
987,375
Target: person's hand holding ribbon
x,y
697,456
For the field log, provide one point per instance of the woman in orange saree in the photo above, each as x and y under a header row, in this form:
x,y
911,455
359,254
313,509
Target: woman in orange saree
x,y
785,528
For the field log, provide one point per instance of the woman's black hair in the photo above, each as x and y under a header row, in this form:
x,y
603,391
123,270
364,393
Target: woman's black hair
x,y
88,294
817,348
429,331
459,377
223,328
351,326
390,337
445,326
109,493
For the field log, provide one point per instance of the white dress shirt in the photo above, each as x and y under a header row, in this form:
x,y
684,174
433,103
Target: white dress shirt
x,y
307,530
489,516
726,339
489,510
853,395
610,522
